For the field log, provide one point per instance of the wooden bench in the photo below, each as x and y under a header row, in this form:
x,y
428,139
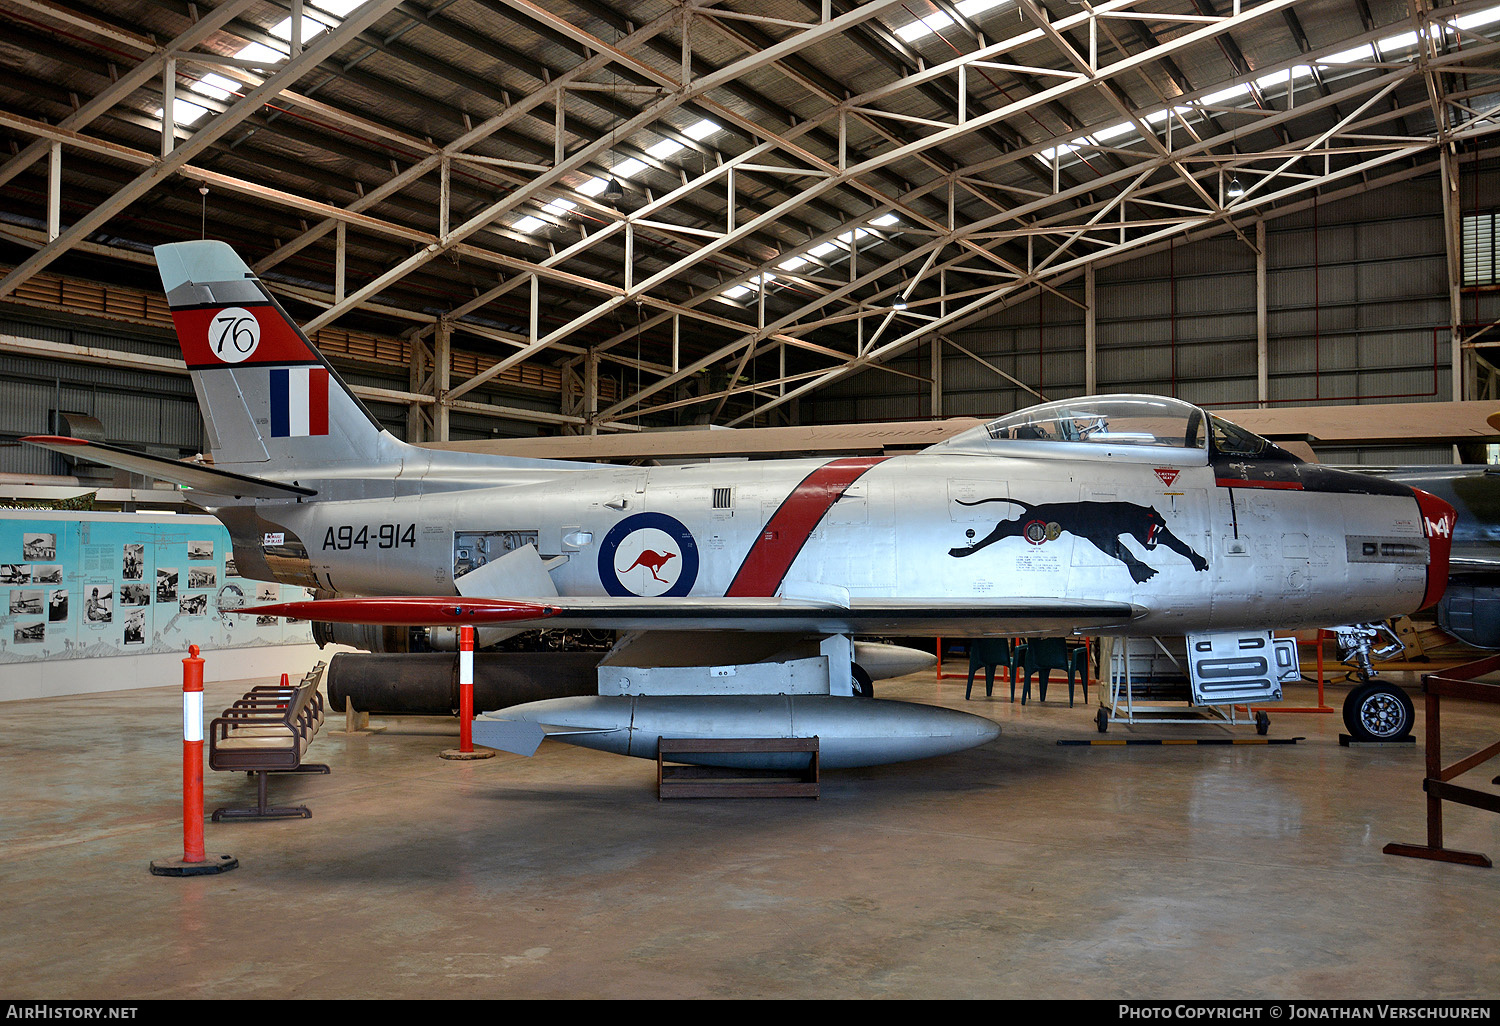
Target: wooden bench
x,y
691,781
268,730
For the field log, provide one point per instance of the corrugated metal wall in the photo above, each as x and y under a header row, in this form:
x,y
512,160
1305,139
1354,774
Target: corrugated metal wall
x,y
156,412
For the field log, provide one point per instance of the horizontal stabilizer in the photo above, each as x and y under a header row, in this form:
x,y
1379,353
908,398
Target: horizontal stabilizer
x,y
925,617
198,477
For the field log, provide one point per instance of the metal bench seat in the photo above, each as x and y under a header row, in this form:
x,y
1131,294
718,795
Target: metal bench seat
x,y
268,730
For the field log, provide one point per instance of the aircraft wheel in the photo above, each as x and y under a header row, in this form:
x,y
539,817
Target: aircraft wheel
x,y
1378,712
1101,719
864,687
1262,723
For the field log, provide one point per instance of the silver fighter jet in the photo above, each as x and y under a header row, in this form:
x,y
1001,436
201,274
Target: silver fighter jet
x,y
738,585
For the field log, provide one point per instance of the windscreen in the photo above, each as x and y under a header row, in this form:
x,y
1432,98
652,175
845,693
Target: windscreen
x,y
1113,421
1233,440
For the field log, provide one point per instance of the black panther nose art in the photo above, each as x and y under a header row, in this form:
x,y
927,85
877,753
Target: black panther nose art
x,y
1102,523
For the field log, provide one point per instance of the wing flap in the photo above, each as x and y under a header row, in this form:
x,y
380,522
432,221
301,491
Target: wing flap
x,y
190,475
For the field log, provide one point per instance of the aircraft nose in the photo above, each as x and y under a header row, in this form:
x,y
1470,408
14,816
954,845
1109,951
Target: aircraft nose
x,y
1438,519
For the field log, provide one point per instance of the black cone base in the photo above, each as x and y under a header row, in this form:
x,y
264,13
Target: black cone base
x,y
212,863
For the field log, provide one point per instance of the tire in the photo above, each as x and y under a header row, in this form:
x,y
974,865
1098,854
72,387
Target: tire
x,y
863,686
1101,719
1378,712
1262,723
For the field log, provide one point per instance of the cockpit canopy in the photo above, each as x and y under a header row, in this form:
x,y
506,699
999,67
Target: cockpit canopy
x,y
1132,428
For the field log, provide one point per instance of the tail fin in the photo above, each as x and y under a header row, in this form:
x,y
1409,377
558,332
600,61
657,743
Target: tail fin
x,y
269,398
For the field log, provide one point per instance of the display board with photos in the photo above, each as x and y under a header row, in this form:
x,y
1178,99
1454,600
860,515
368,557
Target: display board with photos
x,y
81,586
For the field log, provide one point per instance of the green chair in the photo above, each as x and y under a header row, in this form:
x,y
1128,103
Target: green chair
x,y
988,653
1044,655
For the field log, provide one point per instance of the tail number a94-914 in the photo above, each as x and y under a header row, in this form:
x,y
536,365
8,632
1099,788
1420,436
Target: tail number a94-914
x,y
381,536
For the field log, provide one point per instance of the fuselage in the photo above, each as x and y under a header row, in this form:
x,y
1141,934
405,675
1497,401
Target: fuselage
x,y
1196,538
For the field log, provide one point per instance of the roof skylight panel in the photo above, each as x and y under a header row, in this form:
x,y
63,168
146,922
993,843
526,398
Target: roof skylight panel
x,y
842,243
1099,136
665,148
936,21
1477,19
557,208
216,86
620,169
1362,52
1212,99
752,285
326,14
185,113
1390,47
262,53
1113,131
1279,78
310,27
923,26
1401,42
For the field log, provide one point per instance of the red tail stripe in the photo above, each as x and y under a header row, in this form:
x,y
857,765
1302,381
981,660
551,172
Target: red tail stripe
x,y
280,342
783,537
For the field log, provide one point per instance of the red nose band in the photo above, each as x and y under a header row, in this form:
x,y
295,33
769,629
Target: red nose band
x,y
1438,519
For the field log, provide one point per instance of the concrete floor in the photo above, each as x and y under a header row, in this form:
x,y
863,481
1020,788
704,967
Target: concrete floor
x,y
1019,870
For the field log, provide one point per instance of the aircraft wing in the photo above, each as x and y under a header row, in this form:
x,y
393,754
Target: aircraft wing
x,y
918,617
191,475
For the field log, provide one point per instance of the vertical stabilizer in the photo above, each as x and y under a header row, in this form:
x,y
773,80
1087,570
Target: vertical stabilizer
x,y
269,398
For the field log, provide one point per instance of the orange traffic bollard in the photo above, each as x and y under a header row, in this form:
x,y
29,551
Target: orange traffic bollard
x,y
466,749
195,861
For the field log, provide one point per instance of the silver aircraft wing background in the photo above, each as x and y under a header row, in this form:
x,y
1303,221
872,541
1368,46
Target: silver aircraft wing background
x,y
1042,616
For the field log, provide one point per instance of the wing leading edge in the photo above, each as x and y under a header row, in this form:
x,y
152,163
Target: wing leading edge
x,y
862,616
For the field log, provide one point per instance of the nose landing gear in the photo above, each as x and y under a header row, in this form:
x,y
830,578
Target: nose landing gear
x,y
1374,710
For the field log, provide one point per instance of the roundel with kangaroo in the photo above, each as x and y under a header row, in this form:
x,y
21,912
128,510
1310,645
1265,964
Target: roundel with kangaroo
x,y
648,555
